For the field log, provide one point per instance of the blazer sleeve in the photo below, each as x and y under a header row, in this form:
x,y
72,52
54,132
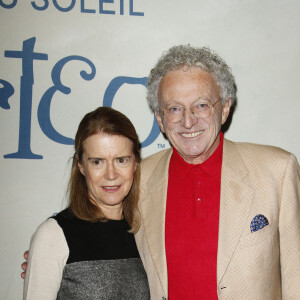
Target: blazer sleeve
x,y
289,230
48,254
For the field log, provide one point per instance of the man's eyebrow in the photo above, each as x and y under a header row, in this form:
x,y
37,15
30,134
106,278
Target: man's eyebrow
x,y
177,101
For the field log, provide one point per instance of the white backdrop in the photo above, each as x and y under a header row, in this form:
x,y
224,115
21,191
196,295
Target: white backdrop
x,y
115,40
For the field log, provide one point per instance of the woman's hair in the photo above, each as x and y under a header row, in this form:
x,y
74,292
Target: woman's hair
x,y
111,122
183,56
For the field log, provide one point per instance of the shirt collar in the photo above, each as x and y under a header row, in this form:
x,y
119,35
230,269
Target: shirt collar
x,y
211,166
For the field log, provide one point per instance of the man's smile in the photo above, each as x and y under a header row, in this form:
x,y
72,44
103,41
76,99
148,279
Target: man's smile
x,y
192,134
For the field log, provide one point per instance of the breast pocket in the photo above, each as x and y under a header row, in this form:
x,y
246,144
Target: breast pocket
x,y
257,237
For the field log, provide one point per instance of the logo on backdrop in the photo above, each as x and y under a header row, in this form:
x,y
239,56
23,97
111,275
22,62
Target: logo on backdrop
x,y
105,7
27,55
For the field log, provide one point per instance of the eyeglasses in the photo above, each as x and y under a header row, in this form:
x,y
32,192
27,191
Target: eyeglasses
x,y
202,109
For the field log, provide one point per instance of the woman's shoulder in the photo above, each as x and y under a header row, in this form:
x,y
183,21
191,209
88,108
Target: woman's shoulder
x,y
64,215
47,231
51,227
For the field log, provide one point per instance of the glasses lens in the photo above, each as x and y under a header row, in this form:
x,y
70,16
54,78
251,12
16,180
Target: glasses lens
x,y
200,110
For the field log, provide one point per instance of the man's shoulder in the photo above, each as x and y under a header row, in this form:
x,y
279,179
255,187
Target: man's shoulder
x,y
156,157
158,162
259,148
258,152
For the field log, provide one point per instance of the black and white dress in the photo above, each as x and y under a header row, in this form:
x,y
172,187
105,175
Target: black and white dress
x,y
74,259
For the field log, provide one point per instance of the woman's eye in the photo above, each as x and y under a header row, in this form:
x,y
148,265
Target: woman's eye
x,y
123,160
96,162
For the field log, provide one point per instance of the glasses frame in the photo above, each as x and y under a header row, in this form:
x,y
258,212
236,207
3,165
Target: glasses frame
x,y
211,107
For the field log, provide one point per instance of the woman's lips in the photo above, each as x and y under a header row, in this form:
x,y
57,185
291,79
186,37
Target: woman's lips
x,y
111,188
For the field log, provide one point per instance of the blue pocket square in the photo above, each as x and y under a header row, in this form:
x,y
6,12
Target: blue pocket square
x,y
258,222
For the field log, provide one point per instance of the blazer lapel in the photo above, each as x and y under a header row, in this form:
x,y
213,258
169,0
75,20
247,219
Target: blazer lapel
x,y
235,204
153,211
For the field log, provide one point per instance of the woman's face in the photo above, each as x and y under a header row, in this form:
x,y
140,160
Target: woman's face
x,y
108,164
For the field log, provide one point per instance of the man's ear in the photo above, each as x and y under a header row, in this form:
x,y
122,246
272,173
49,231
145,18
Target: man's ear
x,y
159,121
226,110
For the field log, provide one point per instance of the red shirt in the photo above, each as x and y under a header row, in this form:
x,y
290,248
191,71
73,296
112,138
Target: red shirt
x,y
192,221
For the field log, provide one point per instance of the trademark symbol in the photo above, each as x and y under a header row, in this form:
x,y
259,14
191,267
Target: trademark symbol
x,y
161,146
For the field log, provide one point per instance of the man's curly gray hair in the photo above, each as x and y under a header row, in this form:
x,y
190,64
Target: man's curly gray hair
x,y
181,56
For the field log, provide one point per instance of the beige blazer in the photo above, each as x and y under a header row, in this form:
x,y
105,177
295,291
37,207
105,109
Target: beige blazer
x,y
255,180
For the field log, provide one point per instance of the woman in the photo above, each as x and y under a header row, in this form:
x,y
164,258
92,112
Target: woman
x,y
88,251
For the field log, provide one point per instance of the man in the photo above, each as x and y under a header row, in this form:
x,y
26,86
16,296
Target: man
x,y
219,219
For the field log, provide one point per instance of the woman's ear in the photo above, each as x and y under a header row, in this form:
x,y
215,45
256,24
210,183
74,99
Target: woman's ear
x,y
80,165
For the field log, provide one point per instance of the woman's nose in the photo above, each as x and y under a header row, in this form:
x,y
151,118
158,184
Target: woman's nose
x,y
111,172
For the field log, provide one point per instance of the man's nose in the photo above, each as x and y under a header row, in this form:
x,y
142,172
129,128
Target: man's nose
x,y
189,118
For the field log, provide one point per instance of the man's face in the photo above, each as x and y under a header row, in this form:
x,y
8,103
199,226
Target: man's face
x,y
195,139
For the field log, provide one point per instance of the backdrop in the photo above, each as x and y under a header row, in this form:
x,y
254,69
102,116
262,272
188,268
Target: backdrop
x,y
59,59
